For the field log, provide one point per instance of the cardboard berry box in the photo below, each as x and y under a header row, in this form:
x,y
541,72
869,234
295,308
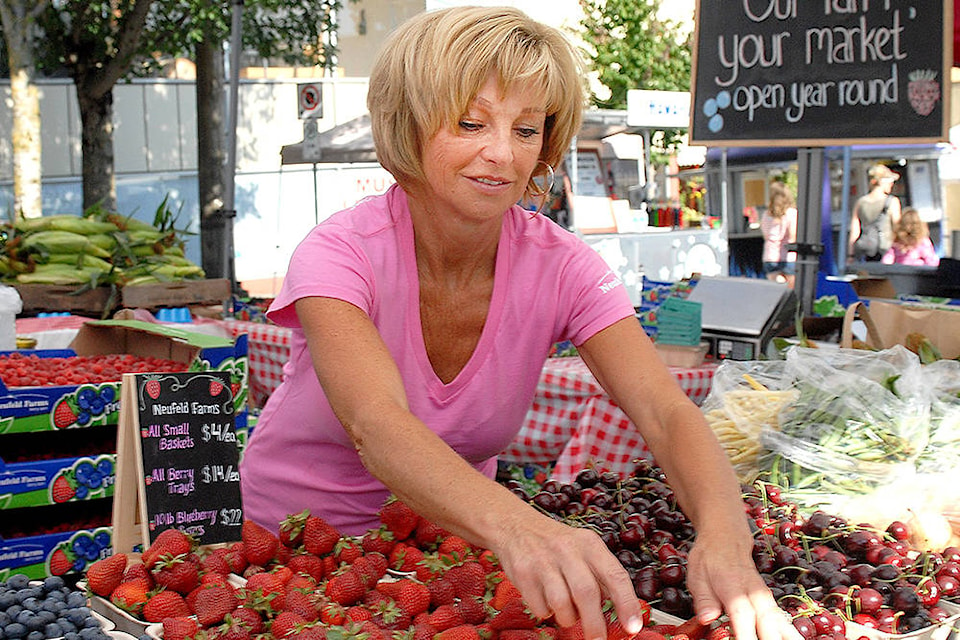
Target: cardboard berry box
x,y
52,408
37,483
65,553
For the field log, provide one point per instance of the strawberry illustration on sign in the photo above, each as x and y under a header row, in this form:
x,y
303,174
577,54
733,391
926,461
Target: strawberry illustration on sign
x,y
923,91
152,387
215,388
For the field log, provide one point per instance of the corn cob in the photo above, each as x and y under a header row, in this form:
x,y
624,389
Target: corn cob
x,y
61,274
63,242
106,242
79,260
64,222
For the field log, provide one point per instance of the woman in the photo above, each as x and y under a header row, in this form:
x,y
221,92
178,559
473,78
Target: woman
x,y
875,215
421,320
911,242
779,228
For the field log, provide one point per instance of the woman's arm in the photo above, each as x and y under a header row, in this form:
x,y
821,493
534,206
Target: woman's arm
x,y
560,570
854,230
721,572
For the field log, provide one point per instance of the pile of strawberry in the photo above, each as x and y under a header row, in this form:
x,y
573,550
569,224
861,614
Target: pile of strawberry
x,y
406,580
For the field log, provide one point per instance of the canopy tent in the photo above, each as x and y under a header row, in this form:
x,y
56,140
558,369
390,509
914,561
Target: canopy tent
x,y
351,141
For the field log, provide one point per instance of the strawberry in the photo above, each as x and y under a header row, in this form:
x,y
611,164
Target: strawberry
x,y
105,574
165,604
720,632
398,518
63,488
644,634
216,562
319,536
443,617
428,535
301,602
310,631
236,560
346,550
308,564
259,544
379,540
423,631
130,596
64,415
455,548
216,387
138,573
152,387
692,628
357,613
291,528
404,557
286,623
387,615
441,591
267,587
459,632
411,596
179,573
514,615
180,628
332,613
469,579
471,609
574,632
504,592
540,633
346,588
370,567
169,542
249,617
489,561
212,604
371,631
60,563
232,630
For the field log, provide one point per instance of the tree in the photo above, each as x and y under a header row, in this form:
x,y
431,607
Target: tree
x,y
18,18
631,47
97,42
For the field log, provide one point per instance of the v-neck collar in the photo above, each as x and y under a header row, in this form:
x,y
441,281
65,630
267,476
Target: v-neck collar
x,y
444,392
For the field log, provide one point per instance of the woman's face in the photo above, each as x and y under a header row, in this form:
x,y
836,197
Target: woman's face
x,y
482,166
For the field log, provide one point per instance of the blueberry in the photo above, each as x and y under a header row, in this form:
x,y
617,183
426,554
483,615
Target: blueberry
x,y
15,630
91,633
78,615
31,604
52,630
36,635
83,418
71,635
90,622
76,599
14,610
66,626
82,491
101,538
4,619
85,396
25,616
7,598
108,393
83,470
18,581
52,583
105,466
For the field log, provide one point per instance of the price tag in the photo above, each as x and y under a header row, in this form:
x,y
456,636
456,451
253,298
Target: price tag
x,y
177,459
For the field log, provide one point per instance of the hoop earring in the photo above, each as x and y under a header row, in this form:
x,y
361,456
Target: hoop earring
x,y
538,190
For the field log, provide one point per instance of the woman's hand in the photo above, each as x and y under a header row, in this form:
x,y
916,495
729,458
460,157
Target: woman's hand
x,y
723,578
566,572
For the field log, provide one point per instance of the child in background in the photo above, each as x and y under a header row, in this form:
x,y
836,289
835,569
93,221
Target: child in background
x,y
911,242
779,228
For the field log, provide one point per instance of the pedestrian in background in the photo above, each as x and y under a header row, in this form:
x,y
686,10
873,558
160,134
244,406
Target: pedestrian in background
x,y
911,242
874,217
779,228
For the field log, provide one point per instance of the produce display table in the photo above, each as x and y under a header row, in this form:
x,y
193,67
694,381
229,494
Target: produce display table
x,y
268,348
574,423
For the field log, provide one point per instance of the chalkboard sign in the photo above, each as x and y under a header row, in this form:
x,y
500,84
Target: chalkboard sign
x,y
812,73
177,460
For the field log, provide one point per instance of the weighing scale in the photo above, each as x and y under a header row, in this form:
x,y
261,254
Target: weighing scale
x,y
739,316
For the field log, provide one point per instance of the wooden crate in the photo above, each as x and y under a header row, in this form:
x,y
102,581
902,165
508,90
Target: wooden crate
x,y
175,294
39,298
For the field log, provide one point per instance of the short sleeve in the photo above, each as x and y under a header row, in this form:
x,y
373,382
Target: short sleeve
x,y
594,295
328,263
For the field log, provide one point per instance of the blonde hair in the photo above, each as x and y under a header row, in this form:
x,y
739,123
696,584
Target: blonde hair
x,y
433,65
911,229
781,199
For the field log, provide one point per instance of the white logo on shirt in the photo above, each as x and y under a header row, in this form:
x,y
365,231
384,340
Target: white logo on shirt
x,y
607,285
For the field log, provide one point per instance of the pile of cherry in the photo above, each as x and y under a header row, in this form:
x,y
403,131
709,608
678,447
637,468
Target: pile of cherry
x,y
823,570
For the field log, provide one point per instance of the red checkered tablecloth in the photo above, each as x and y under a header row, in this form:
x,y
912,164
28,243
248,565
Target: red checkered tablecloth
x,y
575,424
268,348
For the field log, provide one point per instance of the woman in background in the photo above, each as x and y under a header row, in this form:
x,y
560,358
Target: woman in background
x,y
779,228
911,242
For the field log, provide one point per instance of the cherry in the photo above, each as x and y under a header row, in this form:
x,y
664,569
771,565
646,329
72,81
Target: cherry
x,y
949,585
950,568
951,554
805,626
868,601
898,530
929,591
905,599
866,620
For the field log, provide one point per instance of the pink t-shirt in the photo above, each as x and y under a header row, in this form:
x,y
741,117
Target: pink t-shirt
x,y
922,253
549,286
776,236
